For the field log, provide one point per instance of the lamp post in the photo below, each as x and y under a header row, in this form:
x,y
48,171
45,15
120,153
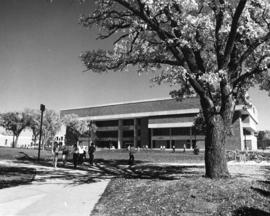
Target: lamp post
x,y
42,109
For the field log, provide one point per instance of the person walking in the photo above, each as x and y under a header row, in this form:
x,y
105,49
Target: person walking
x,y
55,151
64,154
173,148
91,151
75,154
81,153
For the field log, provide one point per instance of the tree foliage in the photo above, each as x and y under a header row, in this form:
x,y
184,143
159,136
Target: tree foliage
x,y
216,49
79,128
50,126
34,123
15,122
199,46
263,139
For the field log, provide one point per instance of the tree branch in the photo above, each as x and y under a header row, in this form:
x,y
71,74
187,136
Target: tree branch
x,y
219,22
253,46
247,75
232,34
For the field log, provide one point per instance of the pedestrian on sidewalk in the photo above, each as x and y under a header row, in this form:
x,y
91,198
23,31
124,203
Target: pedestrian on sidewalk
x,y
173,148
55,151
131,155
75,154
65,152
82,153
91,151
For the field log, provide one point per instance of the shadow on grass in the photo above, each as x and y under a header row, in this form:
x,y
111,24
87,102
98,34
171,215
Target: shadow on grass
x,y
14,176
263,186
105,169
246,211
141,170
263,192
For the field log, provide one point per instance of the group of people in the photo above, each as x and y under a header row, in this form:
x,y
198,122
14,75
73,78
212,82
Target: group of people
x,y
78,151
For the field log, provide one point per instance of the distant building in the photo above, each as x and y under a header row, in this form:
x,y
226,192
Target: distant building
x,y
24,141
159,123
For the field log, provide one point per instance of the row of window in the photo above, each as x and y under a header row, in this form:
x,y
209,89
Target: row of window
x,y
112,123
156,132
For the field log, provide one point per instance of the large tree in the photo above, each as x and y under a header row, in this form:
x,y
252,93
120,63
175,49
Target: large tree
x,y
214,48
51,125
15,122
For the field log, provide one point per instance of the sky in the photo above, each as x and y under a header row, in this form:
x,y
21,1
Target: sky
x,y
40,44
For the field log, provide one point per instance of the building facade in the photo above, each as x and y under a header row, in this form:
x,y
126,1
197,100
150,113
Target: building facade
x,y
161,123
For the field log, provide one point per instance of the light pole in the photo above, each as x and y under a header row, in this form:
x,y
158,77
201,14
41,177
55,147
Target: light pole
x,y
42,109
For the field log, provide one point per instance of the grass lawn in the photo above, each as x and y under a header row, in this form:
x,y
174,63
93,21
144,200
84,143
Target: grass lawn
x,y
155,189
187,193
23,154
152,156
188,196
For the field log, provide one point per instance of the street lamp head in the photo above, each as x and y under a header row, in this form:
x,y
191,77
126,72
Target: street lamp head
x,y
42,107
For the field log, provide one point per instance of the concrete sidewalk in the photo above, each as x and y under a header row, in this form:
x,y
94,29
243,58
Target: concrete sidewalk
x,y
51,196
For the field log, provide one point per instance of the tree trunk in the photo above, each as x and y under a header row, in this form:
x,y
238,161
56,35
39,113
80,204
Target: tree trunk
x,y
215,154
15,142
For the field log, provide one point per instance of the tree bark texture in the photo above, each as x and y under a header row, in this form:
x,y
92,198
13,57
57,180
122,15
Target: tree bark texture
x,y
215,154
215,139
15,141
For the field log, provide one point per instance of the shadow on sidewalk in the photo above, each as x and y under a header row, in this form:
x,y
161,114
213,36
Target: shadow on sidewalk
x,y
14,176
106,169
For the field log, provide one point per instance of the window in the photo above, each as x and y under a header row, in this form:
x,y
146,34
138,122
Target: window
x,y
161,132
128,122
245,118
246,132
181,131
128,133
103,134
107,123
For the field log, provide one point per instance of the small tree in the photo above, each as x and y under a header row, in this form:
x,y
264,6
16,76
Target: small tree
x,y
263,139
92,129
77,128
34,124
217,49
51,125
15,122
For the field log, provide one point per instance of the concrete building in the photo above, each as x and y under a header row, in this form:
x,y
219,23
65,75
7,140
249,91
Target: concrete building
x,y
163,122
24,141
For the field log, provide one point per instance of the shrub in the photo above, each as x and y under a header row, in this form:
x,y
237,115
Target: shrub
x,y
196,150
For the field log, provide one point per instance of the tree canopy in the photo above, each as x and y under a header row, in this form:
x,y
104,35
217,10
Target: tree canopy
x,y
51,125
216,49
199,46
15,122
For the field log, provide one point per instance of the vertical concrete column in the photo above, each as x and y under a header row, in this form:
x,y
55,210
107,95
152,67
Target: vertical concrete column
x,y
151,138
190,136
64,132
92,134
120,134
135,133
144,132
170,132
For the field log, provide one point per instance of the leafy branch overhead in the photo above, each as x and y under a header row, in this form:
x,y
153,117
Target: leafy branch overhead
x,y
197,46
216,49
